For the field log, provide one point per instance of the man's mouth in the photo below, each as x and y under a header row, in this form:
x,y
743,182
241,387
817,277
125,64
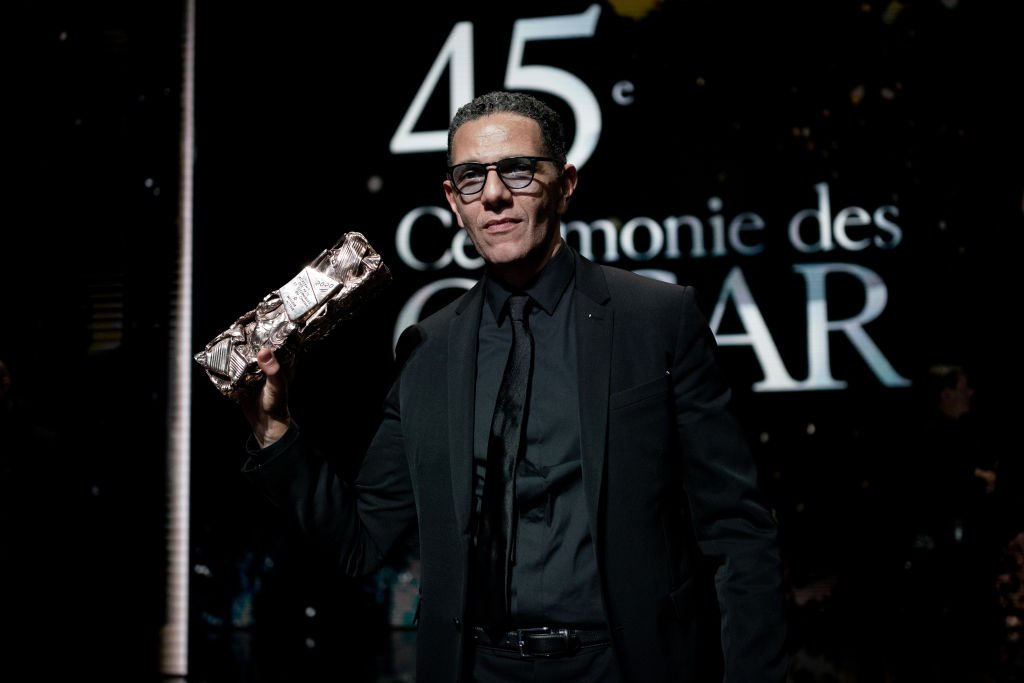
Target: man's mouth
x,y
500,226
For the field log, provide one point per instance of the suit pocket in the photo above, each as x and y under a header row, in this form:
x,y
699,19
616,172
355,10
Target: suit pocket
x,y
656,388
639,434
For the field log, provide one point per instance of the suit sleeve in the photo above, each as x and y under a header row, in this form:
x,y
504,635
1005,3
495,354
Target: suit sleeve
x,y
732,524
354,522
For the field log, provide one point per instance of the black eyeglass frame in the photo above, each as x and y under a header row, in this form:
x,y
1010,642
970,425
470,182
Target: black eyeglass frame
x,y
496,165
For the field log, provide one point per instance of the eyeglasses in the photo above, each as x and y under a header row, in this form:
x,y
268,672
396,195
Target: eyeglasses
x,y
515,172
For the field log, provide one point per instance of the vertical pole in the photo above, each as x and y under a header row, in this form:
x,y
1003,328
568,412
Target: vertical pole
x,y
174,637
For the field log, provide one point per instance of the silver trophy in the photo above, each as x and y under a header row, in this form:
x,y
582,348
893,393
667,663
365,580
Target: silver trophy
x,y
306,309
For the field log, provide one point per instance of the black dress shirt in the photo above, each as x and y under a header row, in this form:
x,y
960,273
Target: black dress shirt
x,y
554,580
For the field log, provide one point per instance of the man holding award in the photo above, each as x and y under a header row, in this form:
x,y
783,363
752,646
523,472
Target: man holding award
x,y
560,434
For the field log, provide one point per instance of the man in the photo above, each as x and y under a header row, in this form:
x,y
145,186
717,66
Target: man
x,y
634,474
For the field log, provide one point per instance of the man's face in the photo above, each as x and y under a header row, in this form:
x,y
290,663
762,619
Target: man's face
x,y
515,231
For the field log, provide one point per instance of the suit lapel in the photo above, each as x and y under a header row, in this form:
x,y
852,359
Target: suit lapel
x,y
463,335
594,344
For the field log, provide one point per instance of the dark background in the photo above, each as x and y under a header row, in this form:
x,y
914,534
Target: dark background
x,y
911,104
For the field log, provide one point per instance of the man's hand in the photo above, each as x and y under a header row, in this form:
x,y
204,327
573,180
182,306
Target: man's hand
x,y
266,409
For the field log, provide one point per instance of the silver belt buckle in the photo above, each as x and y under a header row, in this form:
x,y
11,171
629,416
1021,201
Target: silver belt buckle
x,y
545,631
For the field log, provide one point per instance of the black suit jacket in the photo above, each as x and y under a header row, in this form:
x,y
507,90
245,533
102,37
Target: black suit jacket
x,y
670,483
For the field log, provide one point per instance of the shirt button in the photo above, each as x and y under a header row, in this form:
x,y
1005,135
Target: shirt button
x,y
458,624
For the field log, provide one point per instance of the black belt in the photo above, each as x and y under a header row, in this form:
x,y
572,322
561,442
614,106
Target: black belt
x,y
540,641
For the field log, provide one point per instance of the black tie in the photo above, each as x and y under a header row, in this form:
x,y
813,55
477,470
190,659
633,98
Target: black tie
x,y
505,447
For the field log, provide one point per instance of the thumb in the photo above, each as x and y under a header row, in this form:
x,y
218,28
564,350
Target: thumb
x,y
268,362
275,390
266,408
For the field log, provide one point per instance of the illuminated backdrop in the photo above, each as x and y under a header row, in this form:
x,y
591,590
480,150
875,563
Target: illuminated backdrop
x,y
820,171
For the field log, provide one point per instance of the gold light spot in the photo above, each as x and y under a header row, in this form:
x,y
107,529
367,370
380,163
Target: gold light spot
x,y
635,9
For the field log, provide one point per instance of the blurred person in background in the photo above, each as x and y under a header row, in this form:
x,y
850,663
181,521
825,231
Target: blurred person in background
x,y
953,530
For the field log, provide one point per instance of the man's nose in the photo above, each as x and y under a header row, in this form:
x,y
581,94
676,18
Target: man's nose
x,y
494,186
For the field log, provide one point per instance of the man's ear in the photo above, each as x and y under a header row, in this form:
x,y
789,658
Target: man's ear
x,y
568,181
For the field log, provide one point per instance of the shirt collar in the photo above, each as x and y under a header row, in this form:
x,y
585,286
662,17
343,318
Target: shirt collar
x,y
546,289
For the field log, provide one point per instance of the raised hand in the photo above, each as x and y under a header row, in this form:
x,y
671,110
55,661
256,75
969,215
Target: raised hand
x,y
266,408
